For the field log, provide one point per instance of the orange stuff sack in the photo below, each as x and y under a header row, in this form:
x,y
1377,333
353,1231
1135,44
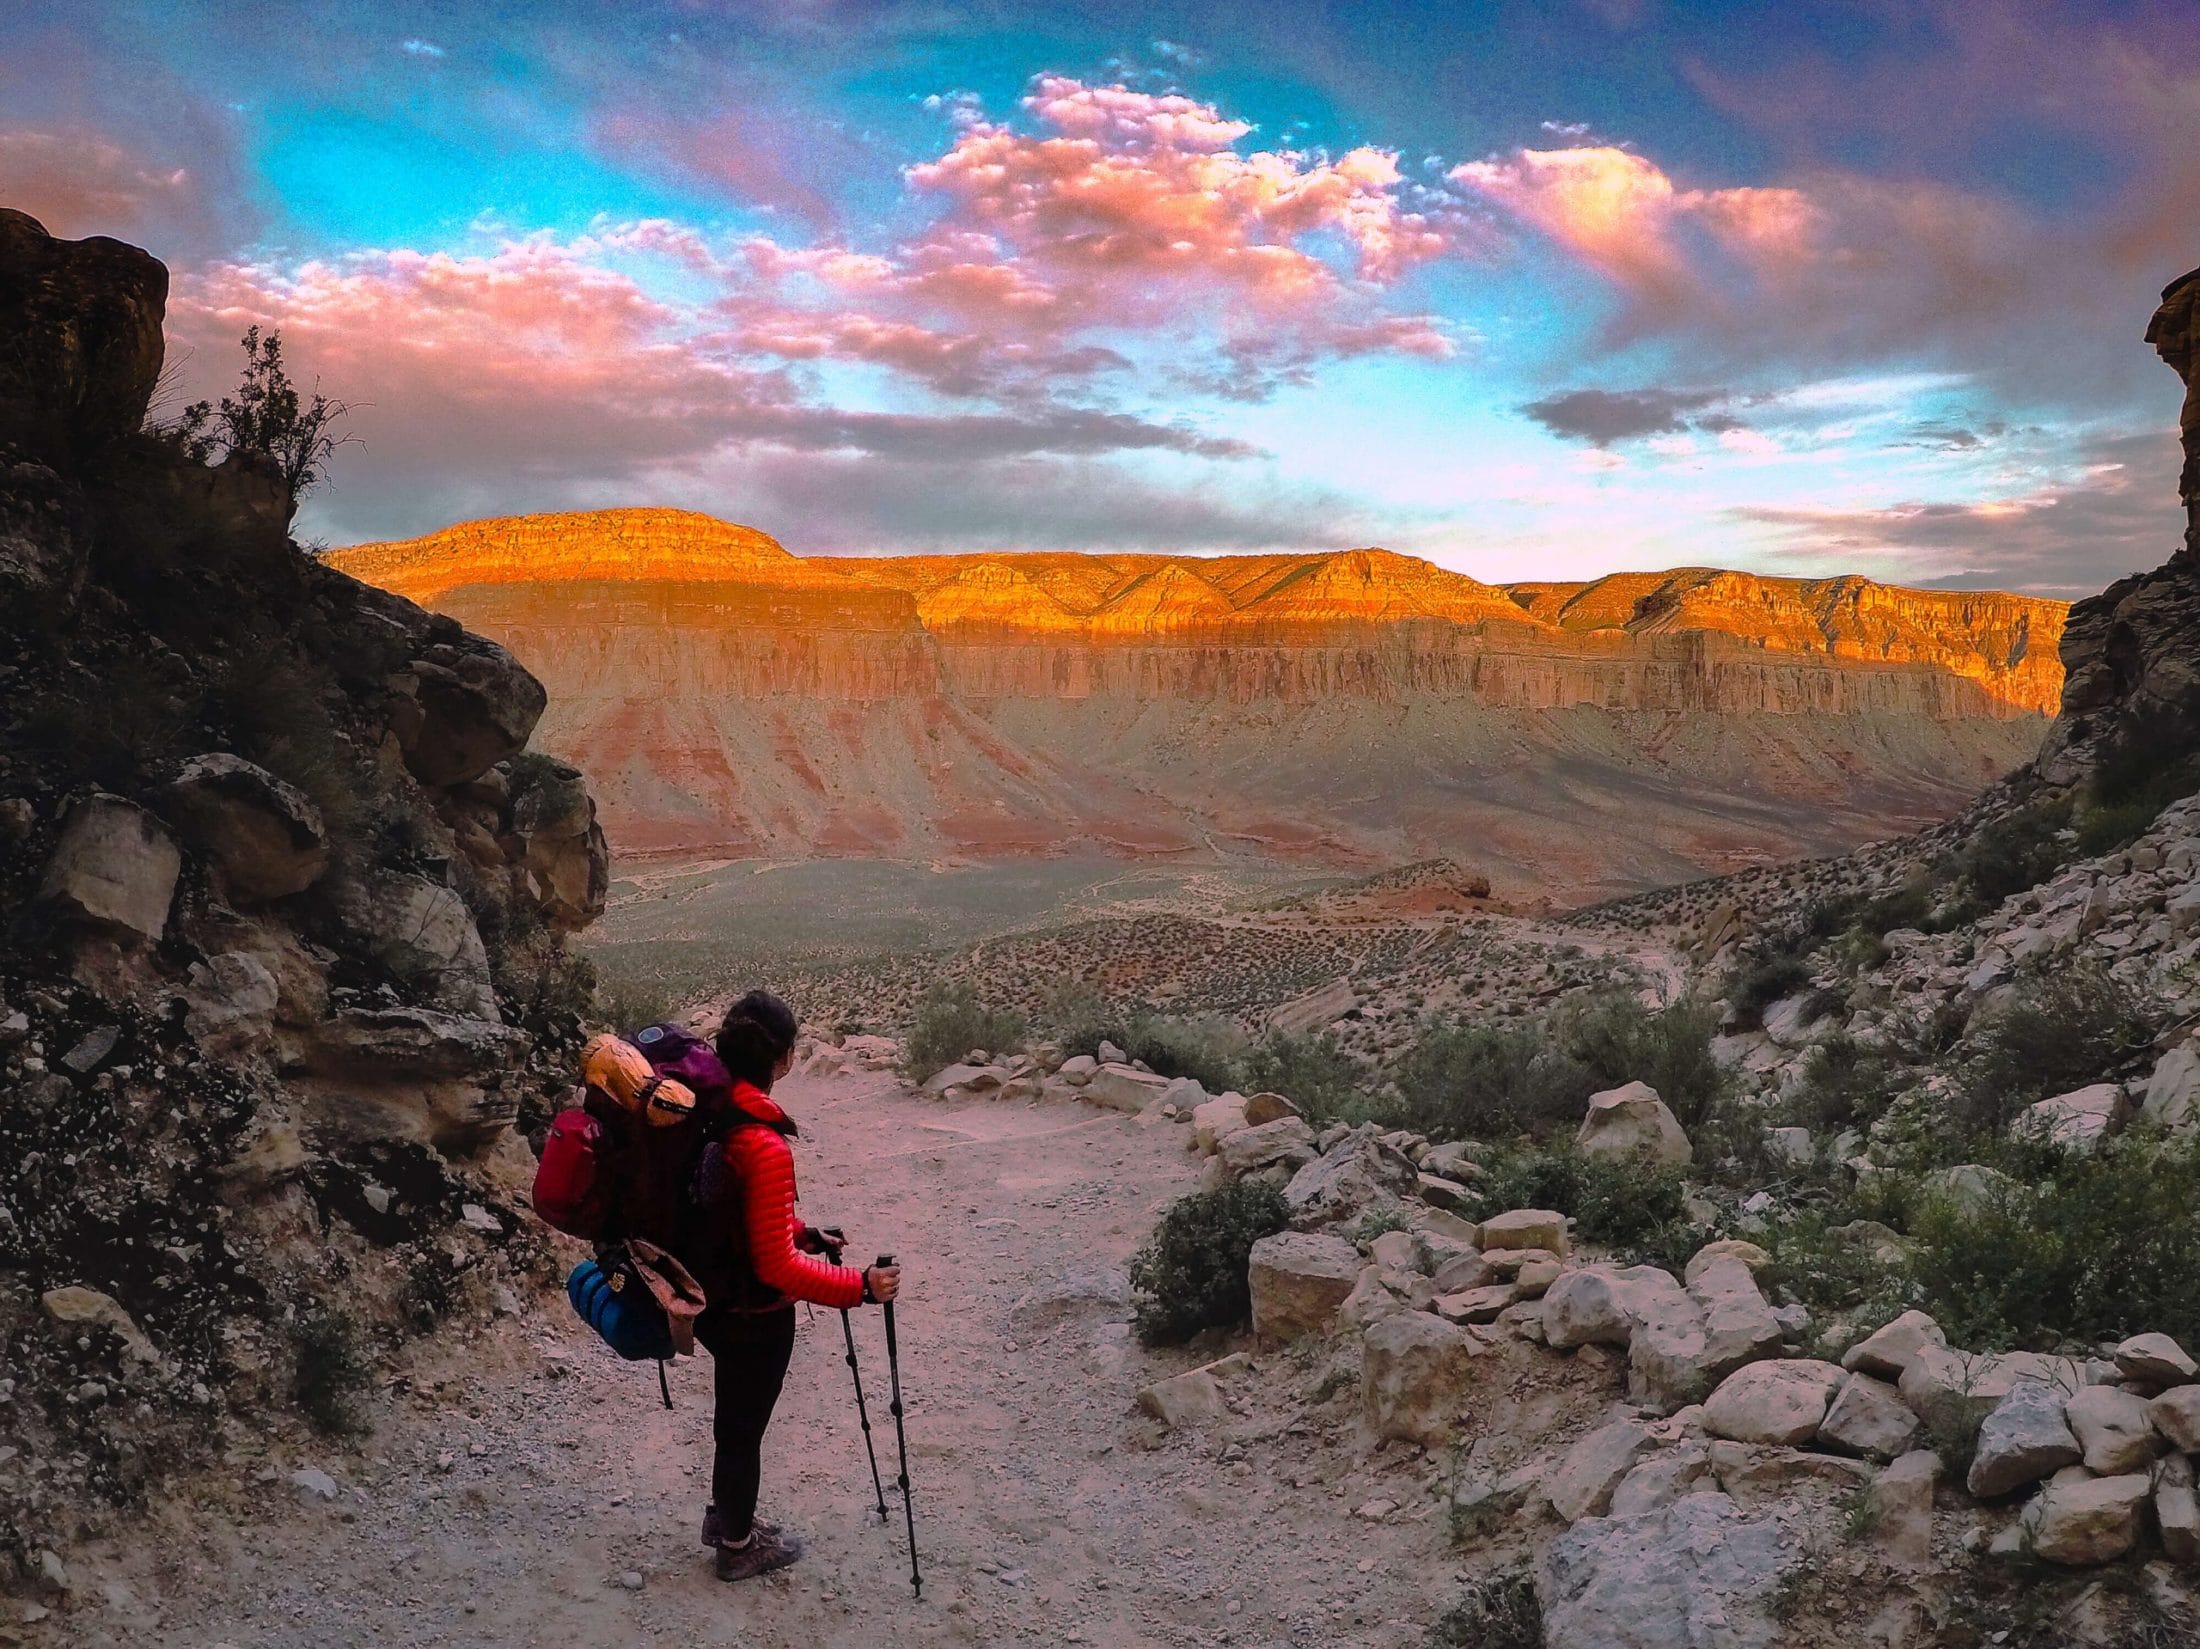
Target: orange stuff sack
x,y
622,1073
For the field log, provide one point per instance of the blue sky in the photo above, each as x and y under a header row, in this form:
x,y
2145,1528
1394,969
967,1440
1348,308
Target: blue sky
x,y
1540,290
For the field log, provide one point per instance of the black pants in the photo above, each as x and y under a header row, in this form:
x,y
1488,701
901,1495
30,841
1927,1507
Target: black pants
x,y
750,1354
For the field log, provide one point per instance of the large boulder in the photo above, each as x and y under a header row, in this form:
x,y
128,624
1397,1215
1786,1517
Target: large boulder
x,y
2156,1360
1347,1180
2021,1441
422,933
2176,1415
1298,1280
467,705
1633,1122
1122,1088
1868,1417
1287,1142
1964,1387
1584,1481
1218,1118
1414,1376
81,326
1697,1573
1902,1495
1543,1228
2082,1520
1594,1304
2172,1097
2113,1429
396,1046
115,867
563,852
2076,1121
1888,1352
1782,1402
265,838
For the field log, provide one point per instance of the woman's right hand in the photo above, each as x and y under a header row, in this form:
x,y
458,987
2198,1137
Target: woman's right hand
x,y
883,1282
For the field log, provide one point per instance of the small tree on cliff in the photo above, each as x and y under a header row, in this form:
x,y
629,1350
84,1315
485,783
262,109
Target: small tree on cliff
x,y
267,420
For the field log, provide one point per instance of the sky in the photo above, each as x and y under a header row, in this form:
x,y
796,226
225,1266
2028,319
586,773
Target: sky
x,y
1534,290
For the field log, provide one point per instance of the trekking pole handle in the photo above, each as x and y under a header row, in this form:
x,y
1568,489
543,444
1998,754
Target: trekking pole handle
x,y
883,1259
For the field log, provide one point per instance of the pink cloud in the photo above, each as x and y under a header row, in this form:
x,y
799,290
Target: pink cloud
x,y
1623,215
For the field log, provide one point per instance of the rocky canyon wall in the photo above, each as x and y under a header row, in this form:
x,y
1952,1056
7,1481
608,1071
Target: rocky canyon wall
x,y
729,697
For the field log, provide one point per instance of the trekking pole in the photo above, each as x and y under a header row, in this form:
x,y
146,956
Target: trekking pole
x,y
863,1414
901,1439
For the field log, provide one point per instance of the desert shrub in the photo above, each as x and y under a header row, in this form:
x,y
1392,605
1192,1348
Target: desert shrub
x,y
2064,1030
1618,1040
1614,1201
1496,1612
1830,1269
1314,1072
1191,1272
2015,853
266,420
2144,768
951,1021
1489,1081
1079,1019
625,1003
1763,980
332,1372
2101,1250
1209,1049
1494,1080
1845,1083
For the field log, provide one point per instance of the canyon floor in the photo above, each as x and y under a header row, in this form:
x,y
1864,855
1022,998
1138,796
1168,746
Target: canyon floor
x,y
527,1489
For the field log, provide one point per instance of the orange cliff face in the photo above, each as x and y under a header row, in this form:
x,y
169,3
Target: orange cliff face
x,y
1349,707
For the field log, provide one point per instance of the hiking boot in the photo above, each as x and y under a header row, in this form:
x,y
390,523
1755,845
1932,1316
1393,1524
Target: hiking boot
x,y
768,1549
714,1528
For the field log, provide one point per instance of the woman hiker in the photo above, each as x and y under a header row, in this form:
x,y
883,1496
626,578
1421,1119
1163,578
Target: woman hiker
x,y
754,1259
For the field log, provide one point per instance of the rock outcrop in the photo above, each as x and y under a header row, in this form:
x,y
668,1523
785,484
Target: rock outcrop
x,y
2131,671
282,890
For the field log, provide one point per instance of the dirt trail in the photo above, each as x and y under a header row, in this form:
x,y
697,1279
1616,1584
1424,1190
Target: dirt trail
x,y
1047,1510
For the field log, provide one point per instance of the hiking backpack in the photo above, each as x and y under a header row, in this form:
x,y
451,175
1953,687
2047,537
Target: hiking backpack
x,y
617,1170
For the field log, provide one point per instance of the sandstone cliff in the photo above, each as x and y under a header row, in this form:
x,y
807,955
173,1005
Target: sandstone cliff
x,y
283,893
1354,707
2130,653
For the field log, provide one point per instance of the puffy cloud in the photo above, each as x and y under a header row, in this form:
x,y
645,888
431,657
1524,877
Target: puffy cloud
x,y
1623,215
532,360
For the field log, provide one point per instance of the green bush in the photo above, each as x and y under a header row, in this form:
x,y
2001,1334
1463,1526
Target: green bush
x,y
2101,1250
1614,1201
1496,1612
1764,980
1489,1081
1845,1084
1191,1272
1315,1073
1495,1080
951,1021
2076,1026
2015,853
1618,1040
1209,1049
332,1373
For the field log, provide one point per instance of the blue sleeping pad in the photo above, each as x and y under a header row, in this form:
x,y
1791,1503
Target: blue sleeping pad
x,y
629,1320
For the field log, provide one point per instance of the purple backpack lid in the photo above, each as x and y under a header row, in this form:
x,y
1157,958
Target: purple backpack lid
x,y
682,1056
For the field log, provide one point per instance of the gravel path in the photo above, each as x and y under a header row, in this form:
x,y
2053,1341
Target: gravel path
x,y
531,1491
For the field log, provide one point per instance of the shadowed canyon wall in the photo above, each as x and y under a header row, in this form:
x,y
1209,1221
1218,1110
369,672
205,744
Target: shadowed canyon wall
x,y
1350,708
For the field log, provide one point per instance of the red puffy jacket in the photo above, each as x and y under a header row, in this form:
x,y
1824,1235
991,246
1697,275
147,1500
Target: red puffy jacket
x,y
748,1193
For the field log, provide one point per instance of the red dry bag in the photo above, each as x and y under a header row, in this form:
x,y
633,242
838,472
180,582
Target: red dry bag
x,y
572,1181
